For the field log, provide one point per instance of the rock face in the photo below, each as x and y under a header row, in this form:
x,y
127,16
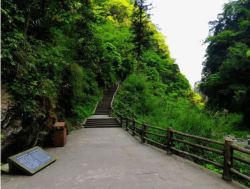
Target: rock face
x,y
15,134
6,105
9,126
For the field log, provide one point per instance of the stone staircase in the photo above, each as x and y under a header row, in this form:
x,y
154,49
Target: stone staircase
x,y
101,123
104,106
101,118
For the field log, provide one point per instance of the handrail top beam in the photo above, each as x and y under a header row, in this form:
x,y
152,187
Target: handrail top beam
x,y
197,137
240,149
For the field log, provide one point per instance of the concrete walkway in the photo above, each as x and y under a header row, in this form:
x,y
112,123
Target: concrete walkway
x,y
109,158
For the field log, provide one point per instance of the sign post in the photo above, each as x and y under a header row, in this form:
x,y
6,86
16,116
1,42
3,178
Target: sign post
x,y
31,161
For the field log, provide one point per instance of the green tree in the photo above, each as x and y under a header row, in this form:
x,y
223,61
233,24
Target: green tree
x,y
140,27
226,79
58,55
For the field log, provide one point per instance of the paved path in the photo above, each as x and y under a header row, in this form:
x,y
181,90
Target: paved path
x,y
109,158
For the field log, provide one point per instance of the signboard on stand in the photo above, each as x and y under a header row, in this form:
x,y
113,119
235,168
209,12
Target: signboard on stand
x,y
31,161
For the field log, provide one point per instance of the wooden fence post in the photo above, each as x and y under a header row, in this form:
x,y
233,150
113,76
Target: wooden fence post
x,y
228,159
121,121
143,129
126,126
133,127
169,140
110,112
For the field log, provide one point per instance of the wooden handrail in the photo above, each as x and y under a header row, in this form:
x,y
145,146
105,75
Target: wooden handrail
x,y
158,128
155,134
155,142
240,149
220,152
242,160
226,152
240,174
197,157
198,137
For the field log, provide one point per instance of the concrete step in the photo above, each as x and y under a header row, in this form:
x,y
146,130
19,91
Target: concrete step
x,y
105,112
101,120
100,123
102,126
101,112
102,108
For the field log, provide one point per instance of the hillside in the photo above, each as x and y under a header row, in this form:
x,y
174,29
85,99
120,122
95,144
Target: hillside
x,y
59,56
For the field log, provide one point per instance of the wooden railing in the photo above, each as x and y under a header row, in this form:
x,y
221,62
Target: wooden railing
x,y
209,151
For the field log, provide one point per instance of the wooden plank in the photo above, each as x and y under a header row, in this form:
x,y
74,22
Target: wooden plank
x,y
242,160
140,123
220,152
155,134
143,130
240,149
198,137
133,128
197,157
138,130
169,140
239,174
137,134
153,141
158,128
126,125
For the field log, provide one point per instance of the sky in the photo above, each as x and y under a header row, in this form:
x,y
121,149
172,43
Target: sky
x,y
185,25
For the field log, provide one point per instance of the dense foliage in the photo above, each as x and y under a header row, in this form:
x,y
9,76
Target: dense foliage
x,y
60,53
58,56
226,78
158,94
155,104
